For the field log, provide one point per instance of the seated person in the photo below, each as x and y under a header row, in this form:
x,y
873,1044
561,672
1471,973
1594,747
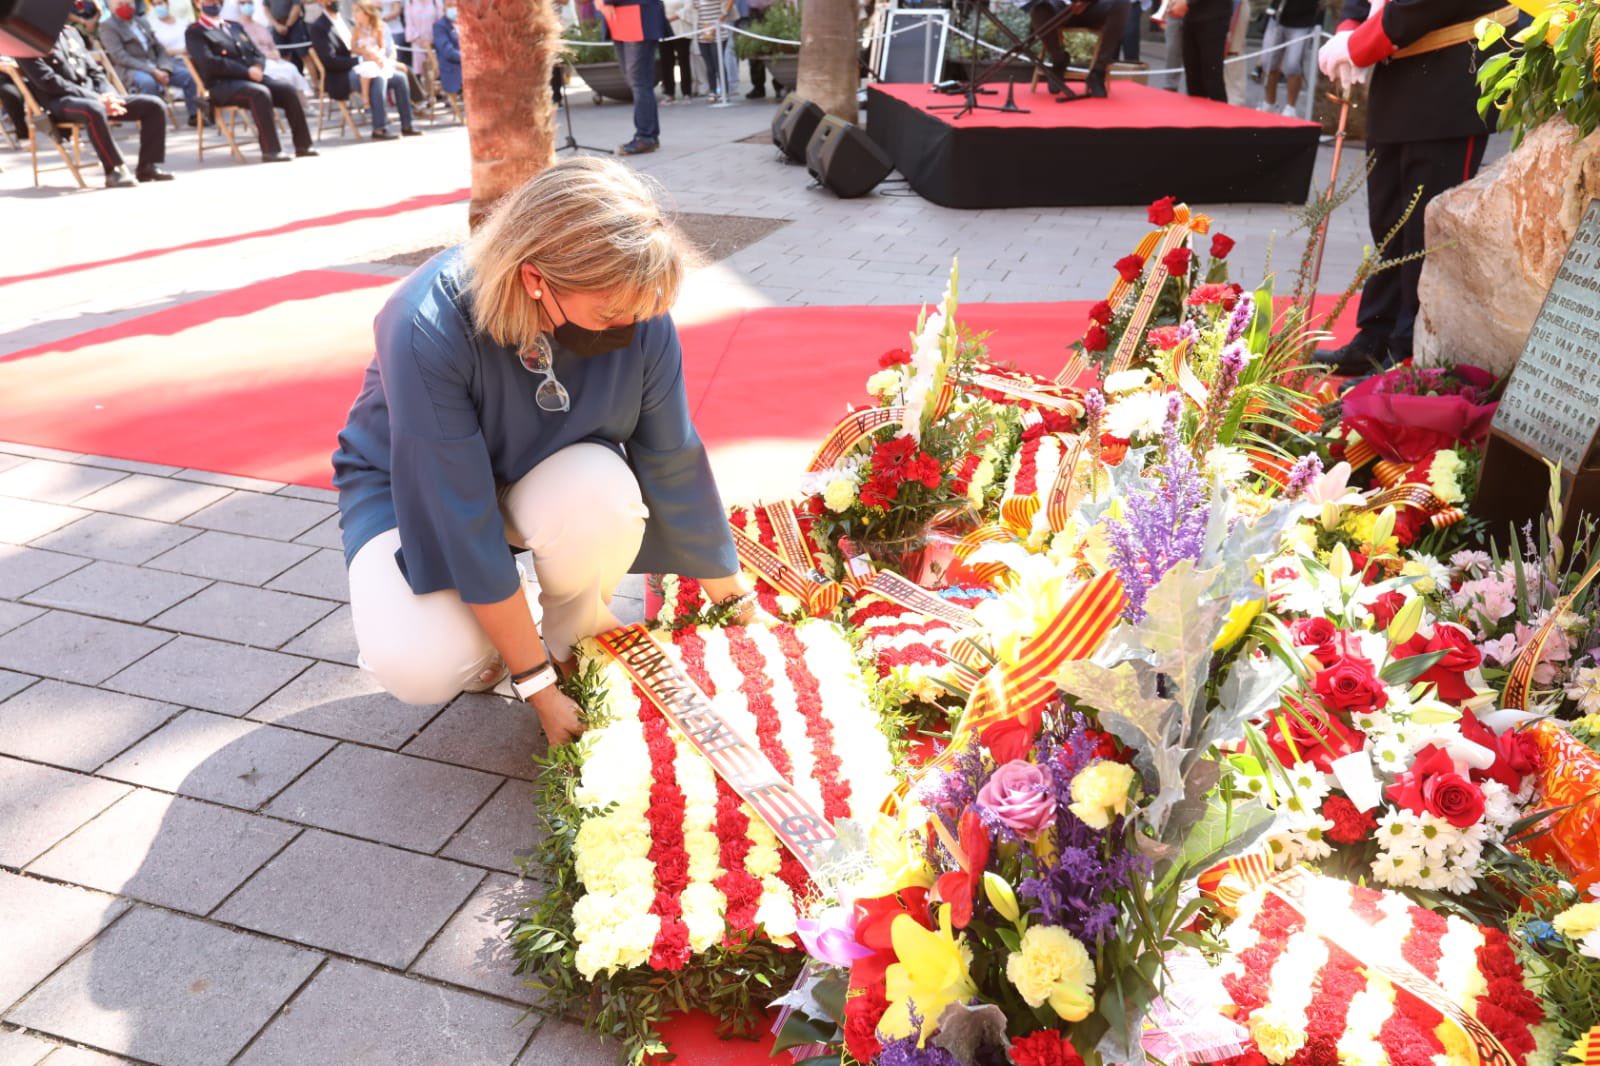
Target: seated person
x,y
447,50
1109,17
357,59
277,66
11,100
140,60
69,84
234,70
168,28
84,16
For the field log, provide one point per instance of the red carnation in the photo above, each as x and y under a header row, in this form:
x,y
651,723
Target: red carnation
x,y
1101,313
1095,339
893,357
1215,292
1433,786
1161,213
1164,338
1318,634
1385,607
861,1016
1409,524
1350,826
1045,1047
1177,262
1221,245
1130,267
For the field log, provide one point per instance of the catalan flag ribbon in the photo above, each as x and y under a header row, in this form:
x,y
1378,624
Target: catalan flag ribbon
x,y
1587,1050
854,428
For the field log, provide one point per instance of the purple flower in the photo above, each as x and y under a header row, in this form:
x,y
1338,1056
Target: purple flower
x,y
1243,312
831,937
905,1052
1161,526
1305,470
1019,794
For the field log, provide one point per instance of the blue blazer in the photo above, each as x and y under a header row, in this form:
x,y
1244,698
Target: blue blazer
x,y
652,15
447,47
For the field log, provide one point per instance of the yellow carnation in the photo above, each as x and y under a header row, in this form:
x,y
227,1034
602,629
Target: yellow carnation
x,y
1100,793
885,383
839,494
1277,1038
1053,967
1444,477
1578,921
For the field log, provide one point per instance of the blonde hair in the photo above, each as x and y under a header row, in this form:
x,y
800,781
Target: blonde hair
x,y
586,225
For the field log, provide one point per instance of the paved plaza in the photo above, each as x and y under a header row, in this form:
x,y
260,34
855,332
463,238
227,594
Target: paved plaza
x,y
219,841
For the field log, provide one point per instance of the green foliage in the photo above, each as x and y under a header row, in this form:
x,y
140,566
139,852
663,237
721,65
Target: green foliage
x,y
1545,70
588,31
778,20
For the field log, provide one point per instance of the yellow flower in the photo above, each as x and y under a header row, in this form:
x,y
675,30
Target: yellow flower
x,y
1240,615
1100,793
1457,1048
1053,967
898,857
1578,921
885,383
839,494
1278,1039
931,975
1444,477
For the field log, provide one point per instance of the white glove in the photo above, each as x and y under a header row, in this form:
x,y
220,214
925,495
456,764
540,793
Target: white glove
x,y
1334,61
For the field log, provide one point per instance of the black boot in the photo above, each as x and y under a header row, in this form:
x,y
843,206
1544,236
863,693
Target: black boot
x,y
1366,353
1096,83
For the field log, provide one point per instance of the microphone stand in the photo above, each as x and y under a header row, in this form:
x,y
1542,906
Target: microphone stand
x,y
572,144
973,85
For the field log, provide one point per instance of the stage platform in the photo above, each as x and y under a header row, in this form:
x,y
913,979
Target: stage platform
x,y
1137,145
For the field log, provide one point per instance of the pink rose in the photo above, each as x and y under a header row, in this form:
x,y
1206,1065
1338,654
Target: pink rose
x,y
1018,793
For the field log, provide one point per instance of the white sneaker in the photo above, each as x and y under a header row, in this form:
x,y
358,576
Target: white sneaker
x,y
1290,111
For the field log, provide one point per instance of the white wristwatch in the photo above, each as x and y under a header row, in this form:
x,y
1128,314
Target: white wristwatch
x,y
535,681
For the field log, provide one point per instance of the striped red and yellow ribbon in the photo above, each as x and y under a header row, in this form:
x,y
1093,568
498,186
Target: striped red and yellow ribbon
x,y
1230,881
1360,454
984,573
1061,498
1174,237
1078,365
1587,1050
1519,683
852,429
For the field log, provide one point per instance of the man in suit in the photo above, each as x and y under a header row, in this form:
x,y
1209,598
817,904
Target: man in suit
x,y
70,85
233,69
447,50
330,36
638,59
1423,132
140,61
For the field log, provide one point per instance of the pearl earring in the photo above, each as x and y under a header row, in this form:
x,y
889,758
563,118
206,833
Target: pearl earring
x,y
538,294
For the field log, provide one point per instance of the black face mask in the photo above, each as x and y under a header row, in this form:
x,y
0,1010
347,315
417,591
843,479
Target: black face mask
x,y
590,342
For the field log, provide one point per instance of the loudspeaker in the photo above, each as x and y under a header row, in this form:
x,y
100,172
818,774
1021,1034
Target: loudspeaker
x,y
29,28
844,159
793,126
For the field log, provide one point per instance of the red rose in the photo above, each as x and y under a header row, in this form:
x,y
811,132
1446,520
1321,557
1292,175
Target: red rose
x,y
1318,634
1519,757
1433,786
1350,826
861,1016
1130,267
1350,685
1318,742
1101,313
893,357
1095,339
1161,213
1010,738
1045,1047
1164,338
1385,607
1221,245
1177,262
1460,655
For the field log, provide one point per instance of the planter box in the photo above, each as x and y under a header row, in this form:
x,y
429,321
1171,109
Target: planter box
x,y
784,68
607,80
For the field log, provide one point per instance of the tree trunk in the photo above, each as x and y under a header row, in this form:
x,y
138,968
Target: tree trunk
x,y
508,48
830,56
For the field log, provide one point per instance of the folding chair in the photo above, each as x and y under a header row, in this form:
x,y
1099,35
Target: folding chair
x,y
318,74
39,121
222,116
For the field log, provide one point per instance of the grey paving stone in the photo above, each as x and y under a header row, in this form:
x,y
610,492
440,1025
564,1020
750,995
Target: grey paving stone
x,y
159,499
322,574
67,1055
45,481
341,701
7,460
34,451
75,648
117,590
379,795
40,804
324,534
13,683
168,988
75,726
309,492
232,481
41,925
473,951
244,615
24,569
561,1043
23,520
18,1048
231,557
215,758
501,833
261,515
359,1016
13,615
485,732
176,852
333,639
196,672
116,538
131,466
351,896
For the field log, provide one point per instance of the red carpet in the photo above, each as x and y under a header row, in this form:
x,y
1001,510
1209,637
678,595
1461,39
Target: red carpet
x,y
1130,106
258,382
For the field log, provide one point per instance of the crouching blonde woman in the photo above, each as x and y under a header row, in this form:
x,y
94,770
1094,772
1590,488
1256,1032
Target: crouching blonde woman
x,y
528,392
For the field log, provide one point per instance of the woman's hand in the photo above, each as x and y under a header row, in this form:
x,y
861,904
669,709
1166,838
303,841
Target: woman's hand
x,y
722,589
558,714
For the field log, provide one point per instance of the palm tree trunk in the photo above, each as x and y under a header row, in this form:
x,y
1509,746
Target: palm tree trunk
x,y
508,48
829,56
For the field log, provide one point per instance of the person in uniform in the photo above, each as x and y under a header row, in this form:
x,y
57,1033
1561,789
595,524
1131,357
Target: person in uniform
x,y
1423,132
234,69
1109,18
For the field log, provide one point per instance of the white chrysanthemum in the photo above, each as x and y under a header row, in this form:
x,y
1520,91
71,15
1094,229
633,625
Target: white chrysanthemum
x,y
1309,783
1228,465
1432,574
1139,414
1125,381
1397,869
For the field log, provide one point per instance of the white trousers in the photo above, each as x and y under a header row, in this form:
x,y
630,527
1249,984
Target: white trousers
x,y
579,513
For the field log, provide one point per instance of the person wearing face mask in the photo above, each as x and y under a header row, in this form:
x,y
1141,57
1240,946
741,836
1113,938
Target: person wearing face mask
x,y
234,70
527,393
140,59
169,28
69,84
362,58
276,66
447,50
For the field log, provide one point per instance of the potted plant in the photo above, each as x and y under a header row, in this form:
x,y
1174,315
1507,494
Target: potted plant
x,y
597,63
782,22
